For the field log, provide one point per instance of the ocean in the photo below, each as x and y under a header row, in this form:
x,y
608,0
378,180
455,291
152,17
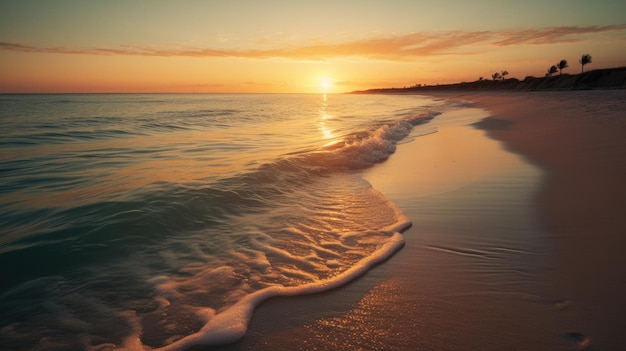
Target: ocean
x,y
161,221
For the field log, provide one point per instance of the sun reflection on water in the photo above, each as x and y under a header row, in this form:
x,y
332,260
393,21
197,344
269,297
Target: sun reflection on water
x,y
327,133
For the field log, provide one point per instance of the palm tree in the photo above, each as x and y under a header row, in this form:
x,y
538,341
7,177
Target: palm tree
x,y
504,73
585,59
561,65
495,76
552,70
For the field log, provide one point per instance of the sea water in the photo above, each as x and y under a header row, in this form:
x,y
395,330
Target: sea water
x,y
159,221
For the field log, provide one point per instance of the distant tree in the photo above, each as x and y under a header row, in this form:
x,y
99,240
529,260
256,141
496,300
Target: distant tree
x,y
495,76
585,59
552,70
504,73
561,65
481,78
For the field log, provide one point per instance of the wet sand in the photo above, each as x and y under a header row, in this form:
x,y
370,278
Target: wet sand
x,y
580,139
517,238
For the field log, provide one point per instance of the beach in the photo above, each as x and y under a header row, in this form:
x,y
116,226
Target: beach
x,y
287,238
578,137
517,239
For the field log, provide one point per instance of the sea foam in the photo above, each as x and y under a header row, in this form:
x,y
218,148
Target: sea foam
x,y
231,324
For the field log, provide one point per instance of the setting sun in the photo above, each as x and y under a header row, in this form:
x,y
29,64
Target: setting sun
x,y
326,84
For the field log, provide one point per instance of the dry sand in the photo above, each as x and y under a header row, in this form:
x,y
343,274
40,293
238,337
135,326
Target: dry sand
x,y
506,252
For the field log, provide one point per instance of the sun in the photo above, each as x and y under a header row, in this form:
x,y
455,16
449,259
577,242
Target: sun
x,y
326,84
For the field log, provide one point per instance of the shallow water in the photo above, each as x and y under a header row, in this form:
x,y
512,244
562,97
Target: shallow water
x,y
163,220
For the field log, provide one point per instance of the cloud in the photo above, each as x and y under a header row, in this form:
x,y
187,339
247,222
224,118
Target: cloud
x,y
396,48
554,35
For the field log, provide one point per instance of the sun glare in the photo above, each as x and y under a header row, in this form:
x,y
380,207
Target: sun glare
x,y
326,84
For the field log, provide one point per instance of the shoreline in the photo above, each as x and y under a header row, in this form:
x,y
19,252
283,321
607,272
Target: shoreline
x,y
498,256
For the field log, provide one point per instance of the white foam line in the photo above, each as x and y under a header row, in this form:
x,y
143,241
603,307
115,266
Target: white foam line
x,y
231,324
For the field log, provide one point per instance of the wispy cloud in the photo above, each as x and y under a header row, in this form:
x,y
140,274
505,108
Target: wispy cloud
x,y
552,35
396,48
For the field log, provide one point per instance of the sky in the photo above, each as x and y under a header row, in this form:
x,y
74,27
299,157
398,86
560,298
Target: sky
x,y
271,46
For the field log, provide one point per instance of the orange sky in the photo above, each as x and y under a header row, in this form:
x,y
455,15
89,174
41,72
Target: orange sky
x,y
277,46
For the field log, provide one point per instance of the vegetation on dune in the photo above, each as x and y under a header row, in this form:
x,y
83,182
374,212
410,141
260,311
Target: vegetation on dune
x,y
585,59
610,78
561,65
552,70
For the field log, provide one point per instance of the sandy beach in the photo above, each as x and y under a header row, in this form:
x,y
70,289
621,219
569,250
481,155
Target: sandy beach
x,y
516,244
578,137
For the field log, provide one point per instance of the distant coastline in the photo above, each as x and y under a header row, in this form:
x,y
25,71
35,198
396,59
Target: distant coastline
x,y
609,78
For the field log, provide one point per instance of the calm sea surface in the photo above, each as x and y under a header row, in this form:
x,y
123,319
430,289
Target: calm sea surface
x,y
162,220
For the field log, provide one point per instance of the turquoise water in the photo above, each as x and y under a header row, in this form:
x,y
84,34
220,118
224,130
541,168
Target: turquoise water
x,y
162,220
